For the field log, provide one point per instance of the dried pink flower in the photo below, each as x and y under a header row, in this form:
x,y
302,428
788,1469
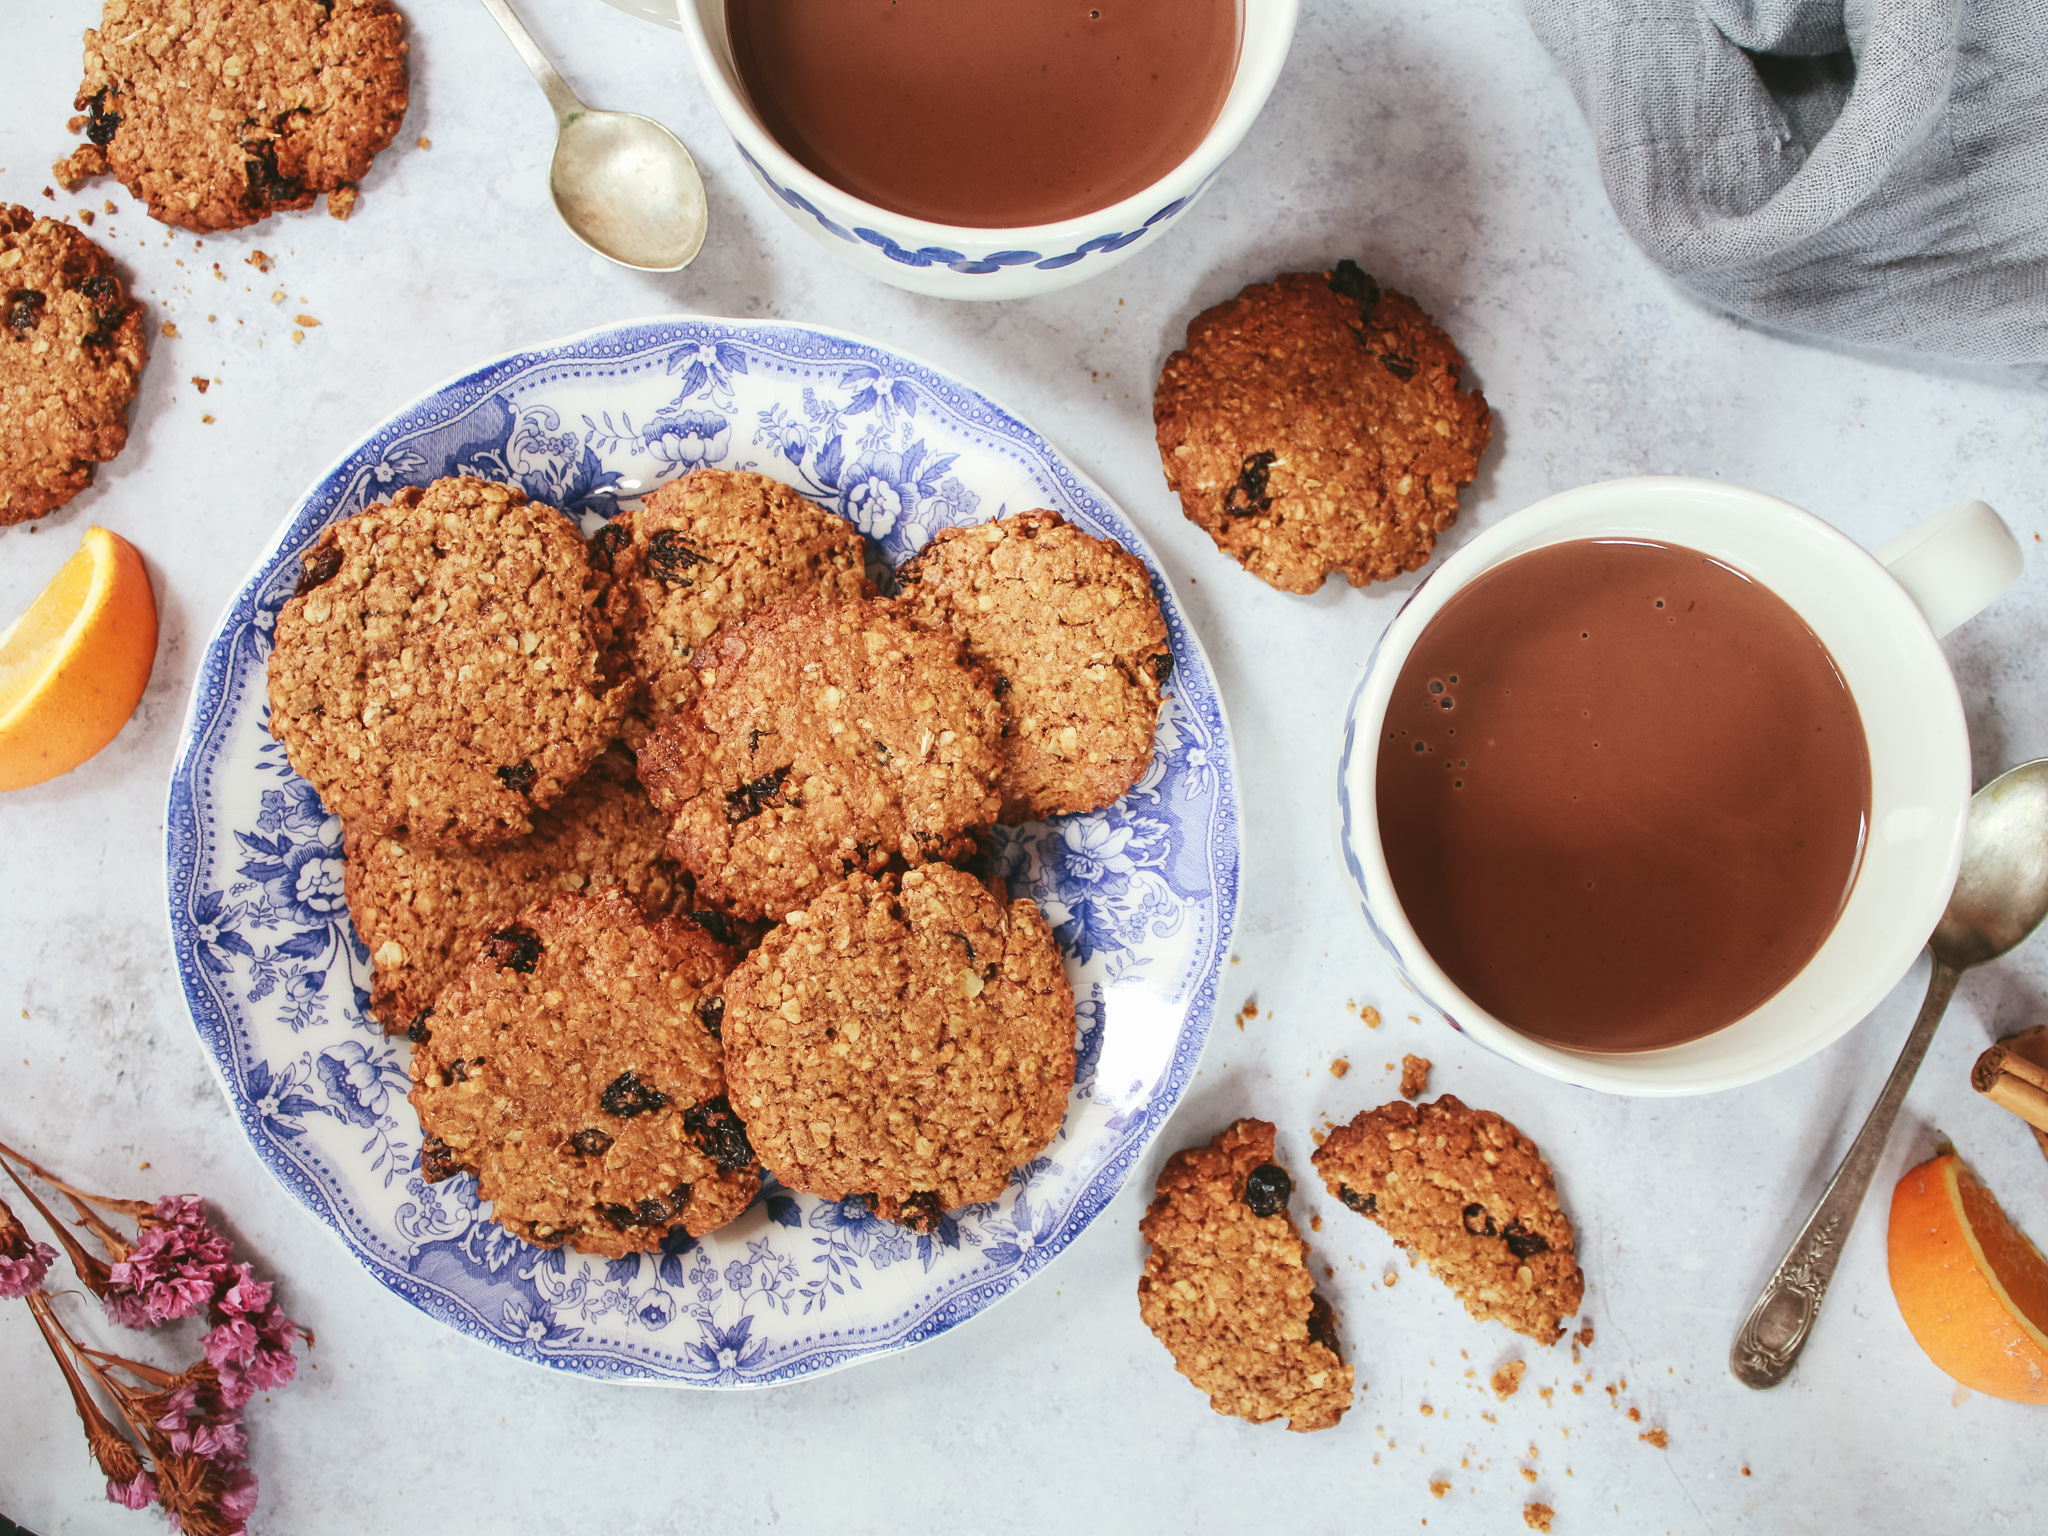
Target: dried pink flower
x,y
23,1265
189,1423
251,1356
238,1499
139,1492
177,1267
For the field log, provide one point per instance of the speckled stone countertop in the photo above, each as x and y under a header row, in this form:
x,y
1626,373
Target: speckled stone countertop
x,y
1433,142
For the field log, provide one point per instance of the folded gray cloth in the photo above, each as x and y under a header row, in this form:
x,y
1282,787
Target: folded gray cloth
x,y
1874,171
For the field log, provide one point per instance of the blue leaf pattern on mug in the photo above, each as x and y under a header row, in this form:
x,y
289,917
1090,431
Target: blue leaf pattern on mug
x,y
1140,895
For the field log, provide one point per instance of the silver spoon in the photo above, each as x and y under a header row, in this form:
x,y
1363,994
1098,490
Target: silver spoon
x,y
624,185
2000,897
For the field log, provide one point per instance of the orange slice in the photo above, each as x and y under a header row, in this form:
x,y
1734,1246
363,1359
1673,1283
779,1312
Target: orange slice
x,y
1971,1287
73,667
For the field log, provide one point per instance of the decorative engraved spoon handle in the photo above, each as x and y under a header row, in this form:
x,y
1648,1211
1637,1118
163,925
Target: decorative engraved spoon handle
x,y
1771,1337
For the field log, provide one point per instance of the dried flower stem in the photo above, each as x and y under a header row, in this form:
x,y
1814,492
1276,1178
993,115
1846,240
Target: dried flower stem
x,y
112,1450
135,1368
92,1272
105,1202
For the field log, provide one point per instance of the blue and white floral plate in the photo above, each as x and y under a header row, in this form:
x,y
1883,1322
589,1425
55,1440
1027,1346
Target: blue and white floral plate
x,y
1143,896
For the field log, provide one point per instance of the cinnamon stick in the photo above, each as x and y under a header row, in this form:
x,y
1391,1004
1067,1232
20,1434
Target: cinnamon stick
x,y
2012,1082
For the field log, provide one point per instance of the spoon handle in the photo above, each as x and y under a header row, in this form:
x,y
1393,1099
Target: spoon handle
x,y
1771,1337
560,97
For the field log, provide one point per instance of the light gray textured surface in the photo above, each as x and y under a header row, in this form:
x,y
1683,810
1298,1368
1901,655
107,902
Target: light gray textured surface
x,y
1436,144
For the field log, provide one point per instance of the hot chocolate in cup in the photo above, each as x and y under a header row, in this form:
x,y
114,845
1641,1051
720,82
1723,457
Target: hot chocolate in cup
x,y
1876,620
966,260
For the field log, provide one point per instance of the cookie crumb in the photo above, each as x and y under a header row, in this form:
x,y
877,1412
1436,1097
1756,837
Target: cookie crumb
x,y
1538,1516
1428,1412
85,217
1315,1223
1585,1333
1439,1486
1508,1379
1660,1440
298,336
341,202
1636,1414
424,142
261,261
144,1167
1546,1393
1389,1278
307,321
1745,1470
201,383
108,206
169,329
52,196
1528,1474
1339,1066
206,420
277,297
1414,1076
1371,1015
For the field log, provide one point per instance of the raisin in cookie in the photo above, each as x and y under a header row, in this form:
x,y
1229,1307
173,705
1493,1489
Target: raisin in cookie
x,y
422,911
1472,1195
71,354
909,1039
710,547
1315,424
1227,1290
439,668
1070,627
217,113
828,737
574,1067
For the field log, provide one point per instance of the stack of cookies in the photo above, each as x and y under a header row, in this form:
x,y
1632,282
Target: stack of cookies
x,y
652,837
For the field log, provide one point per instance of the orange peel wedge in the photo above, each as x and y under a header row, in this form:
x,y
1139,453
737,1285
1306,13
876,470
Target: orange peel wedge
x,y
74,665
1971,1287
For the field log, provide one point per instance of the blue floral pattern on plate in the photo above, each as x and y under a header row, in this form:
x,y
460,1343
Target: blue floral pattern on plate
x,y
1143,896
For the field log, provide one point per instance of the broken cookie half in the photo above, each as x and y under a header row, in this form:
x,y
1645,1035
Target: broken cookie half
x,y
1473,1197
1227,1289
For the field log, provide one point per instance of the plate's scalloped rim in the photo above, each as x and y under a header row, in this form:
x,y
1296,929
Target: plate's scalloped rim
x,y
939,1309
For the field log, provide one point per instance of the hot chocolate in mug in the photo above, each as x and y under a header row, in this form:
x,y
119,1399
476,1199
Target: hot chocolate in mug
x,y
1878,617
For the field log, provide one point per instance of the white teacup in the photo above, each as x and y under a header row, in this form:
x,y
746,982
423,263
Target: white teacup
x,y
957,262
1879,617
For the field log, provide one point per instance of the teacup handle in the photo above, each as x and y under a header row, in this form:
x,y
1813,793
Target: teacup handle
x,y
1955,565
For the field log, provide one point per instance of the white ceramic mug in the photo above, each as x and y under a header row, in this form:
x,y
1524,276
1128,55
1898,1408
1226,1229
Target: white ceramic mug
x,y
1879,617
955,262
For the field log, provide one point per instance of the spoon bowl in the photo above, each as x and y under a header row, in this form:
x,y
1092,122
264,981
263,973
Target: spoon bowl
x,y
2001,895
628,189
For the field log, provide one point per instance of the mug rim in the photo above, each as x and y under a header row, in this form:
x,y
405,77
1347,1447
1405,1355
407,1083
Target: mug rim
x,y
1679,1069
1251,85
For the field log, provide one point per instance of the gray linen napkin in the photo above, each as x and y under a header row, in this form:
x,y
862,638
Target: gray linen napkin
x,y
1874,171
